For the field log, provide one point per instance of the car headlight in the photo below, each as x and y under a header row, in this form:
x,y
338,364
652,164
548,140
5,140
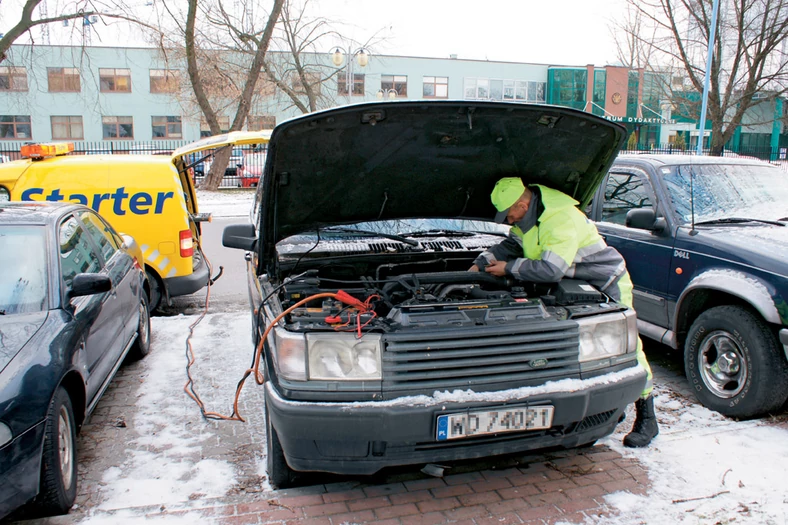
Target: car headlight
x,y
5,195
290,354
5,434
342,357
608,335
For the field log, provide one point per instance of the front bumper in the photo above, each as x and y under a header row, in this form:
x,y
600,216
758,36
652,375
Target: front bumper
x,y
20,465
362,438
194,282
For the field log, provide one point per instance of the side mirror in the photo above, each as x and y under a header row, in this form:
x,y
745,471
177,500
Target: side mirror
x,y
89,284
645,219
241,236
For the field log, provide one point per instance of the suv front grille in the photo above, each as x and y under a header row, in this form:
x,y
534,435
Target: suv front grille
x,y
494,357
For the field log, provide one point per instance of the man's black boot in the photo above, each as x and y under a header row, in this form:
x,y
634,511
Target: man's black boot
x,y
645,427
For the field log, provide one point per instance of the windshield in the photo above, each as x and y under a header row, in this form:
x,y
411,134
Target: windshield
x,y
23,275
728,190
406,226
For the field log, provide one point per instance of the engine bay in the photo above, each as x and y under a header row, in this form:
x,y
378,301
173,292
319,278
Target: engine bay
x,y
398,295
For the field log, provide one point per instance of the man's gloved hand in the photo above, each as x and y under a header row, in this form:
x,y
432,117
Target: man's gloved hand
x,y
497,268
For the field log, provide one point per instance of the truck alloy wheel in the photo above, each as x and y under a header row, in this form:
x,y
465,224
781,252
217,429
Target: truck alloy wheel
x,y
734,363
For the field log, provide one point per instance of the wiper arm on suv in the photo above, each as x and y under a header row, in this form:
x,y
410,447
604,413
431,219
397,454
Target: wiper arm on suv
x,y
369,233
440,233
737,220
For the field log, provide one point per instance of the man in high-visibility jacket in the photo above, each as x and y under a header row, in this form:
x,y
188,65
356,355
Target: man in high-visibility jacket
x,y
551,239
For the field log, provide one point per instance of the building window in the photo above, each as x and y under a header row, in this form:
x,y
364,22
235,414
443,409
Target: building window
x,y
260,122
498,89
164,80
15,127
313,80
13,79
115,80
67,128
358,84
117,128
167,127
63,79
398,83
436,87
205,129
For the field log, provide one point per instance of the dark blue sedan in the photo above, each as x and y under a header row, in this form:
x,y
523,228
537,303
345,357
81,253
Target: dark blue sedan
x,y
73,305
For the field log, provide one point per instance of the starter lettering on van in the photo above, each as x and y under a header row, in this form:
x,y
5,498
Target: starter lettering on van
x,y
139,203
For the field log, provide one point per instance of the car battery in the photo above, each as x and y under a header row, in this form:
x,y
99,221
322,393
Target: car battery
x,y
573,291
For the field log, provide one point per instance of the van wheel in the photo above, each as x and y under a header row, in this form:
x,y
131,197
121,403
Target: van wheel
x,y
141,346
734,364
280,475
154,298
58,486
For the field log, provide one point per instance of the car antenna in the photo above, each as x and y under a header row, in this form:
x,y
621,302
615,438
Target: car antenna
x,y
692,231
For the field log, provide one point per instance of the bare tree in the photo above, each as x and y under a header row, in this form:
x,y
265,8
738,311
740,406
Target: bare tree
x,y
748,60
82,9
246,87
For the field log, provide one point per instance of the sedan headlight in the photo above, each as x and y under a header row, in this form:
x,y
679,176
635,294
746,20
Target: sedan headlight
x,y
5,195
290,354
5,434
342,357
608,335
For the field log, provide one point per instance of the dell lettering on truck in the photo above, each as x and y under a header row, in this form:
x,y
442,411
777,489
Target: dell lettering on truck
x,y
149,197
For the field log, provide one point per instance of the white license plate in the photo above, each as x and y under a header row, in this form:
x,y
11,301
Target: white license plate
x,y
478,423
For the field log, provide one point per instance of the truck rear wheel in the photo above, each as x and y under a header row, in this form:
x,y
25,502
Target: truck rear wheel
x,y
154,298
734,363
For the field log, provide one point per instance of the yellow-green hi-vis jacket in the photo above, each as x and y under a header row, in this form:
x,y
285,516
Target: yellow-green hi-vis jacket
x,y
559,241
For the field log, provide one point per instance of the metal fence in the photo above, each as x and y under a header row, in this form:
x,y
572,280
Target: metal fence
x,y
778,156
241,159
237,175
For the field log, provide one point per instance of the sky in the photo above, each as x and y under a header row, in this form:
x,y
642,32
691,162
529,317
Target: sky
x,y
573,32
703,468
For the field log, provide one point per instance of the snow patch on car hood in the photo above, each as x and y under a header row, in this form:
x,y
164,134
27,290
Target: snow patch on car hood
x,y
15,331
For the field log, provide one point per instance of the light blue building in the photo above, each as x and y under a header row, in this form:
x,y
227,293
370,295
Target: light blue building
x,y
121,99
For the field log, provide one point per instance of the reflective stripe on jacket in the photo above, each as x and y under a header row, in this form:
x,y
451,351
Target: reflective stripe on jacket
x,y
563,243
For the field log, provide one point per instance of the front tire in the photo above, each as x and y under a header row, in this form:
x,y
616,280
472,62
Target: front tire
x,y
58,485
141,346
734,363
280,475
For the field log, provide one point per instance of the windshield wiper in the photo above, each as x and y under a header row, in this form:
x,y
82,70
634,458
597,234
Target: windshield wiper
x,y
737,220
370,233
440,233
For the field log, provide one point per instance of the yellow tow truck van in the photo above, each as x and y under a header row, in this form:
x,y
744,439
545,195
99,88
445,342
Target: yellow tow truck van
x,y
150,197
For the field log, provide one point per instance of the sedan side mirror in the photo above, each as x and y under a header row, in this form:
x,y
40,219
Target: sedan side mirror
x,y
89,284
241,236
645,219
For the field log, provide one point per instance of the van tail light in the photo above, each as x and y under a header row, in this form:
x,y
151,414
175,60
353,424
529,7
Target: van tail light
x,y
187,244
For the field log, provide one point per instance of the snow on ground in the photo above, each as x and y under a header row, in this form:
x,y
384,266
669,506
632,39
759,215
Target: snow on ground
x,y
165,463
225,203
704,468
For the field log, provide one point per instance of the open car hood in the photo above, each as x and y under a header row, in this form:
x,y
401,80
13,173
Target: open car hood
x,y
424,159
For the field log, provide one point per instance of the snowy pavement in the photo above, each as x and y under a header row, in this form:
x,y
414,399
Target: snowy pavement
x,y
148,456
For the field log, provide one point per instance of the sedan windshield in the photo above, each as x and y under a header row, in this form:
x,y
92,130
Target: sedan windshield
x,y
23,271
724,191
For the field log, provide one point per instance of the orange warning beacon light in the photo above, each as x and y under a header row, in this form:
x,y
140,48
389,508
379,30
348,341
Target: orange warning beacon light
x,y
41,151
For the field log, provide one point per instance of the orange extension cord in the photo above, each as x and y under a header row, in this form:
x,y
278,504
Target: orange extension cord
x,y
360,307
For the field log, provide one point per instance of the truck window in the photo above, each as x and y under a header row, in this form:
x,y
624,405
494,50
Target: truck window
x,y
624,192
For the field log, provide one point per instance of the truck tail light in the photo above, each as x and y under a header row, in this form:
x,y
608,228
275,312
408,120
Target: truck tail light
x,y
187,244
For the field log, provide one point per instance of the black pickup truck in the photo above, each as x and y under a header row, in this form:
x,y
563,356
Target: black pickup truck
x,y
706,244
